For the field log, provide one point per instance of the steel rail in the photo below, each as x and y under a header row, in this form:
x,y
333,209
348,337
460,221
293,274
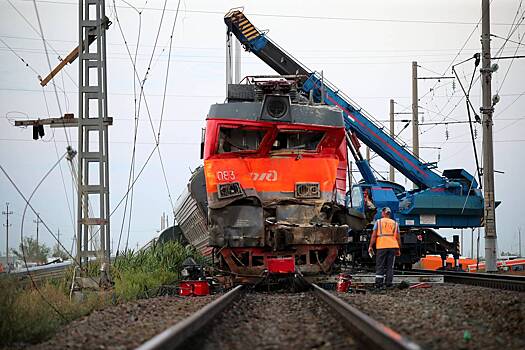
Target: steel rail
x,y
499,281
371,333
175,336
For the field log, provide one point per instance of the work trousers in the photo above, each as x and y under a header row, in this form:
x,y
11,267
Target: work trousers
x,y
385,266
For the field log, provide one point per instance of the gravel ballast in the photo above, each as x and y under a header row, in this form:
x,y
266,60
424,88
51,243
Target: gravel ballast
x,y
450,316
274,321
124,326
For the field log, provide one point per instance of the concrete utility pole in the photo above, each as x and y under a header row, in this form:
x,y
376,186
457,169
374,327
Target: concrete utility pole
x,y
7,224
461,246
238,51
488,150
519,240
228,61
415,120
392,170
37,222
472,243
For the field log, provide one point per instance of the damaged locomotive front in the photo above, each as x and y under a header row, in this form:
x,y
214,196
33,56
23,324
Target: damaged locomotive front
x,y
275,170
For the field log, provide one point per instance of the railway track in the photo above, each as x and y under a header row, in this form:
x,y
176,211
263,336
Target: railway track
x,y
280,317
499,281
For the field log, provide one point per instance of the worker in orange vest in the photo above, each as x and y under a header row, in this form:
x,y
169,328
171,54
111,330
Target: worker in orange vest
x,y
386,239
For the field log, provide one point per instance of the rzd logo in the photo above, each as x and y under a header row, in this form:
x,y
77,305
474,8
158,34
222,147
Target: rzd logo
x,y
270,175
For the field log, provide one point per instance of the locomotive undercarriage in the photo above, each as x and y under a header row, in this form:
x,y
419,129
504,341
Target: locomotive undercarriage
x,y
247,234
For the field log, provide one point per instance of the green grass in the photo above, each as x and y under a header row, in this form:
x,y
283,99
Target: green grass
x,y
27,315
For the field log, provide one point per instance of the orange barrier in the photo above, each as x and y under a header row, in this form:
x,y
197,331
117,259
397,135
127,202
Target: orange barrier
x,y
433,262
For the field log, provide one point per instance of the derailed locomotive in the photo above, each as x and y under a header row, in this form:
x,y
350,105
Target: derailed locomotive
x,y
275,183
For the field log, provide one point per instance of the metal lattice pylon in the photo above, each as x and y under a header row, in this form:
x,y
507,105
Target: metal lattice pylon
x,y
93,161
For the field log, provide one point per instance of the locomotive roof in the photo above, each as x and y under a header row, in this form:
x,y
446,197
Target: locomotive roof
x,y
299,113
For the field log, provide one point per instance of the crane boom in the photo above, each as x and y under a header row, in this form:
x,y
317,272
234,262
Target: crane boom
x,y
356,119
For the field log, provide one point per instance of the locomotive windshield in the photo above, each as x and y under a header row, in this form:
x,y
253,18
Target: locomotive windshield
x,y
297,140
238,139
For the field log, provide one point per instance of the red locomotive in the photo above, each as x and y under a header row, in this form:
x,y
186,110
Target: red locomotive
x,y
275,174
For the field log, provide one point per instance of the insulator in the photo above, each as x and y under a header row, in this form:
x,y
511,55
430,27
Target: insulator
x,y
35,132
41,131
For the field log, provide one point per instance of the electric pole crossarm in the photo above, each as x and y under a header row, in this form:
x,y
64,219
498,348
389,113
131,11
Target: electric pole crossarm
x,y
66,121
71,57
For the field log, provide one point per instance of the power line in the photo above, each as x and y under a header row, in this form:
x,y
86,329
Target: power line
x,y
331,18
508,69
39,34
373,54
49,63
21,59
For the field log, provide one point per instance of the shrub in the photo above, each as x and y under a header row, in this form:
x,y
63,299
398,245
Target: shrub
x,y
28,315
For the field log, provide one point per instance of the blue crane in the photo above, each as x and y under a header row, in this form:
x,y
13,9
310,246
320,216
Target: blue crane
x,y
450,200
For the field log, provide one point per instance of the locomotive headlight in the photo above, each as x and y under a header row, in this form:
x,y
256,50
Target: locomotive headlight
x,y
229,190
184,272
307,190
277,108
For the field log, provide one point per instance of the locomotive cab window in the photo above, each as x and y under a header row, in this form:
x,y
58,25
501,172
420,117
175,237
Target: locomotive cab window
x,y
239,139
297,140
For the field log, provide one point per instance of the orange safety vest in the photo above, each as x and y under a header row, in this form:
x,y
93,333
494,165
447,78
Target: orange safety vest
x,y
387,233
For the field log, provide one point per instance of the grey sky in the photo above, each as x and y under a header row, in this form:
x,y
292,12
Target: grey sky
x,y
365,48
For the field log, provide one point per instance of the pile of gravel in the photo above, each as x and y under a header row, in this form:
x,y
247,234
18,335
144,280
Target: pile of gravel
x,y
450,316
124,326
274,321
